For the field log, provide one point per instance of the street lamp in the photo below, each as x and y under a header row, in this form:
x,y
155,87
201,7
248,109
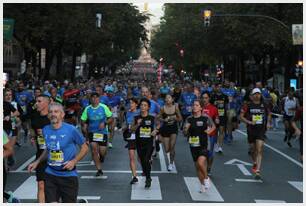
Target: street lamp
x,y
206,16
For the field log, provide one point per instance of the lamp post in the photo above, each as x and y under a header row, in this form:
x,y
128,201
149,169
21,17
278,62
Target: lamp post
x,y
299,73
206,17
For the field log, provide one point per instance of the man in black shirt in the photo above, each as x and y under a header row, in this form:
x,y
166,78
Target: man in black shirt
x,y
40,119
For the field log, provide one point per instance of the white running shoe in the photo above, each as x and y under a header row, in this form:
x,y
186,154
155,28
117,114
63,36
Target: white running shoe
x,y
170,167
110,145
202,189
220,149
216,148
206,183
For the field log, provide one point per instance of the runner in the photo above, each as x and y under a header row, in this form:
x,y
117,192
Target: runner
x,y
38,122
169,116
130,137
61,179
220,100
257,116
196,128
297,125
211,111
144,128
95,118
289,106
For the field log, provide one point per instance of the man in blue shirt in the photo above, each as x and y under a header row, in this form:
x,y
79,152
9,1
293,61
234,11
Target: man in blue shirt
x,y
186,101
61,180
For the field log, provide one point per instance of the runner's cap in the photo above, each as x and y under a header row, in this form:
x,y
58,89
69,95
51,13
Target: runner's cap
x,y
256,90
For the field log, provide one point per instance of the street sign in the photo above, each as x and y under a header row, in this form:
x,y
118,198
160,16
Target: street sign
x,y
8,28
297,34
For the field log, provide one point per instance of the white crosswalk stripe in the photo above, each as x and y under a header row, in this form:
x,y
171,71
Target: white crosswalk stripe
x,y
140,193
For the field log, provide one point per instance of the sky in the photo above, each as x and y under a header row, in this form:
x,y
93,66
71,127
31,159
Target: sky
x,y
155,9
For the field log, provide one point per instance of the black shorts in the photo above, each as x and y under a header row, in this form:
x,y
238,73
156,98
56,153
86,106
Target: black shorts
x,y
253,135
222,121
168,130
65,188
131,145
196,152
288,118
40,171
103,143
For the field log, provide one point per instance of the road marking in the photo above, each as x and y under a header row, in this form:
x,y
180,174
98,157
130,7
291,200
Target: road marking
x,y
28,189
105,171
211,195
94,177
269,201
162,160
297,185
276,150
244,170
248,180
140,193
24,165
231,162
90,197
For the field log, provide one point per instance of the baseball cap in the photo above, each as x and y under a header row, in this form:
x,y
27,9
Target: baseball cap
x,y
256,90
94,94
109,89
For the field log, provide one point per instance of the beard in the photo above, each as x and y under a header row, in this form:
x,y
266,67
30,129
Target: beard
x,y
54,120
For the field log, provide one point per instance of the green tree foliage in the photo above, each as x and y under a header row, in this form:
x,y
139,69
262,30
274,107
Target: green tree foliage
x,y
228,37
69,30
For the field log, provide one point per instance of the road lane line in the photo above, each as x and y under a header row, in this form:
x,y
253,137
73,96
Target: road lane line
x,y
277,151
140,193
211,195
248,180
244,170
28,189
94,177
297,185
269,201
24,165
162,160
90,197
104,171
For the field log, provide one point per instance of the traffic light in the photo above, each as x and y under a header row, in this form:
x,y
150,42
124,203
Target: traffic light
x,y
206,17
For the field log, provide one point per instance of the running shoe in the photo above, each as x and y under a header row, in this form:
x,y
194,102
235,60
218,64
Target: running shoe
x,y
82,201
216,148
257,175
110,145
134,180
202,189
148,183
254,168
289,144
220,149
208,171
206,183
99,173
170,167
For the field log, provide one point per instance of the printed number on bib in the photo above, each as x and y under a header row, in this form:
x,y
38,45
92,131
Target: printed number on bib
x,y
41,142
56,157
98,137
145,132
257,119
133,137
194,141
221,112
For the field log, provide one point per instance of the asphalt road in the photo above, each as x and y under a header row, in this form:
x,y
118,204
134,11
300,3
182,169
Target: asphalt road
x,y
232,179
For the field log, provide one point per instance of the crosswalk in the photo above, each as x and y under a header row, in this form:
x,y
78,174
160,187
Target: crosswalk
x,y
28,190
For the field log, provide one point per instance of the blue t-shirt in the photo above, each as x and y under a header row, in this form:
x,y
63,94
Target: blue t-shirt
x,y
187,100
95,116
154,109
114,101
136,92
84,102
61,91
130,116
61,148
23,99
161,102
104,100
164,90
208,89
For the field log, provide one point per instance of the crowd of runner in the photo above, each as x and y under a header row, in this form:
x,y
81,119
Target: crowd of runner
x,y
57,117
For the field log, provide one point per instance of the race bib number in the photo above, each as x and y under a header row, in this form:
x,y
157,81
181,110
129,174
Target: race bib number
x,y
56,157
41,142
189,109
221,112
133,137
98,137
24,109
145,132
257,119
194,141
